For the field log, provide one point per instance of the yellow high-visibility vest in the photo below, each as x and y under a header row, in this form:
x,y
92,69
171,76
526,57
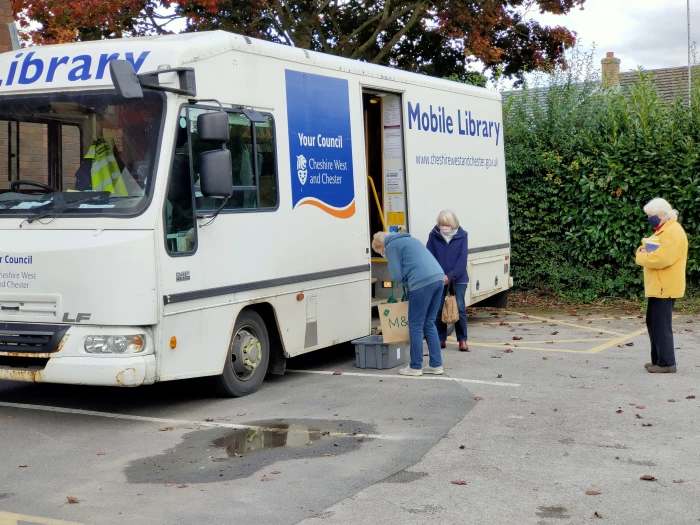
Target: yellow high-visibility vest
x,y
105,174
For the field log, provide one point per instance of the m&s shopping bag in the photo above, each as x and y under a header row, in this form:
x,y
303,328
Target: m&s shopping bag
x,y
393,317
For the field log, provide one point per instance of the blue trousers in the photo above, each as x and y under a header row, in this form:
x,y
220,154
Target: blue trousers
x,y
461,325
423,306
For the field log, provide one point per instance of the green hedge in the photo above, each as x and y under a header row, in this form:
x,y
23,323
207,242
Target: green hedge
x,y
581,163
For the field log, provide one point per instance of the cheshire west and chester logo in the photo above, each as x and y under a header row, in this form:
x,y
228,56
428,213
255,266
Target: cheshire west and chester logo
x,y
301,169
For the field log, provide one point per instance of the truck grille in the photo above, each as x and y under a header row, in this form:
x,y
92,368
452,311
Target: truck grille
x,y
30,338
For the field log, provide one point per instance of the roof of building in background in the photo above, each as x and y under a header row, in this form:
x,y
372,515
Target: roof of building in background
x,y
670,82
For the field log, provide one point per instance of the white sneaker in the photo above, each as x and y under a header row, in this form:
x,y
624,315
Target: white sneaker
x,y
408,371
437,370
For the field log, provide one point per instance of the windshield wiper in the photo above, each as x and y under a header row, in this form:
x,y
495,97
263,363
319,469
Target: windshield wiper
x,y
68,205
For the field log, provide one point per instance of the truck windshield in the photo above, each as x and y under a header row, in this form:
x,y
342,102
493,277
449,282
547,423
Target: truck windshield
x,y
78,153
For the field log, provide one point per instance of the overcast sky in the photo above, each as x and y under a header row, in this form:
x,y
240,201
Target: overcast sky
x,y
648,33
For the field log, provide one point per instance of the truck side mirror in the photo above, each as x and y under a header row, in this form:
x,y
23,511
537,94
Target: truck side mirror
x,y
213,127
124,79
216,174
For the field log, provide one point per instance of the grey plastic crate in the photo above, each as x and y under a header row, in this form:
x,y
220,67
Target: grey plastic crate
x,y
373,352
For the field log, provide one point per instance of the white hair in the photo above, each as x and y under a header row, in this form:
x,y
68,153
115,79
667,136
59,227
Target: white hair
x,y
661,208
378,242
448,218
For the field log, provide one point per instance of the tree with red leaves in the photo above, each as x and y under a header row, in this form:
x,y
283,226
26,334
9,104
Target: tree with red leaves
x,y
435,37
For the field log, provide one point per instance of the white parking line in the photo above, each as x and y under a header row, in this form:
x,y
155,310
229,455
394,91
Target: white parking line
x,y
182,422
397,376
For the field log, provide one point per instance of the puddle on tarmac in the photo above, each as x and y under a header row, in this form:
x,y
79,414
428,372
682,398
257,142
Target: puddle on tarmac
x,y
212,455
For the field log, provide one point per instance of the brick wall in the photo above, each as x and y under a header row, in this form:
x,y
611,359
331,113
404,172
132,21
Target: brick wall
x,y
32,163
5,18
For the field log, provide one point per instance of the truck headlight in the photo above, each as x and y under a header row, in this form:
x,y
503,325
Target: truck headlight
x,y
115,344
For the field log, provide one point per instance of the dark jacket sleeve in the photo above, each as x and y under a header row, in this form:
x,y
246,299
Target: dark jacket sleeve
x,y
429,244
461,262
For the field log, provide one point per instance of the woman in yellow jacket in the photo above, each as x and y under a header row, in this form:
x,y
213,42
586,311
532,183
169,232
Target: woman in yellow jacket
x,y
664,258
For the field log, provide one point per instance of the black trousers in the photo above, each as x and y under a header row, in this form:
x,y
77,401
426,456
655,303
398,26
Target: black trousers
x,y
660,327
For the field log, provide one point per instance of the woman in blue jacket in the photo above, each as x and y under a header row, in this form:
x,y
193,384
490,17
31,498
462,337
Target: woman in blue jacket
x,y
448,243
413,266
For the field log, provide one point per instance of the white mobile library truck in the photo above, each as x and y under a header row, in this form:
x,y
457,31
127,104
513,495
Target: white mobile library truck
x,y
202,204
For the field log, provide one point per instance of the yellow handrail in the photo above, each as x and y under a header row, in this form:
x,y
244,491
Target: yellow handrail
x,y
376,199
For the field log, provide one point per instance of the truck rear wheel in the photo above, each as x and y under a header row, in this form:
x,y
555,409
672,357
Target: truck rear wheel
x,y
247,357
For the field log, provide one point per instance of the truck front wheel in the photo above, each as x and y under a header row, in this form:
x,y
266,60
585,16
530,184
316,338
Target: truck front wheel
x,y
247,357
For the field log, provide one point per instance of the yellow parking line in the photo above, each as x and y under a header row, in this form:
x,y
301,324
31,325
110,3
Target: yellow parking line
x,y
565,323
516,322
620,340
514,347
617,341
9,518
556,341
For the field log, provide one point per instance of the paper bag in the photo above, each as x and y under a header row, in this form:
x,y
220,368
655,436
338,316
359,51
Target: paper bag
x,y
450,312
394,320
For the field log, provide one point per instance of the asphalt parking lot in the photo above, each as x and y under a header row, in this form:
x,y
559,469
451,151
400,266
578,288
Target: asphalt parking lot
x,y
551,418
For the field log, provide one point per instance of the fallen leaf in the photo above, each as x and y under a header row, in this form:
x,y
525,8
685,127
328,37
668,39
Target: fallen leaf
x,y
337,373
183,486
73,499
555,332
619,411
679,481
458,482
545,358
23,466
688,330
629,344
648,477
632,404
517,338
507,351
499,376
479,398
556,410
462,447
549,342
671,400
10,417
597,515
617,457
689,321
275,472
592,493
165,429
638,416
209,420
241,415
169,484
646,424
690,397
641,407
100,453
265,478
